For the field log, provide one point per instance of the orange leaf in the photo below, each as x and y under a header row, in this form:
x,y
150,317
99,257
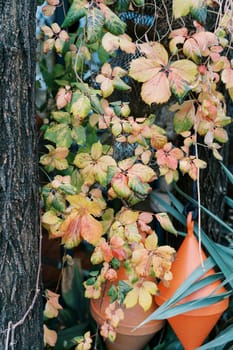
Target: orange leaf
x,y
156,90
205,40
70,229
90,229
191,50
146,217
50,336
227,77
52,305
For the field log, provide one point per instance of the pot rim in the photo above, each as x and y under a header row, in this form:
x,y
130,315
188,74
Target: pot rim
x,y
123,328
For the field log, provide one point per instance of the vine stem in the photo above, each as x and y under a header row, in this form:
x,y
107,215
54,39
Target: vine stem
x,y
10,331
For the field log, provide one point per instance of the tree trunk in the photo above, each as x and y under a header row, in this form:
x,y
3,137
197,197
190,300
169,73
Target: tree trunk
x,y
20,303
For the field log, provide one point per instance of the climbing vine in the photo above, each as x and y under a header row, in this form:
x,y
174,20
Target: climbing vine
x,y
98,153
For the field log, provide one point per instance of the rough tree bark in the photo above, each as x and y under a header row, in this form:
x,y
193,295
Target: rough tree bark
x,y
20,304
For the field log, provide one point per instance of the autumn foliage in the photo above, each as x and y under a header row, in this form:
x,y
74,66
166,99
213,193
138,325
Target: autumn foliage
x,y
84,122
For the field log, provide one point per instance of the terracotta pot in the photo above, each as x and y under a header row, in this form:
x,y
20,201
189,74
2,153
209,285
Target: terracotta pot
x,y
127,337
193,327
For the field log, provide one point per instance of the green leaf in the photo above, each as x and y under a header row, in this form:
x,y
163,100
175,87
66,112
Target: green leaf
x,y
112,293
227,172
66,336
60,134
112,22
115,262
167,309
68,189
137,186
229,201
124,286
79,135
67,317
76,180
95,22
73,290
58,70
96,105
183,119
76,11
119,84
199,14
223,338
61,82
61,117
215,217
189,306
168,208
58,202
139,2
122,5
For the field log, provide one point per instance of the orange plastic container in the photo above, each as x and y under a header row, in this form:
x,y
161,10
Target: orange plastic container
x,y
193,327
127,338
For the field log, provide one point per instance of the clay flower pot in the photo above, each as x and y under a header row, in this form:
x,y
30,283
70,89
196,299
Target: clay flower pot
x,y
127,337
193,327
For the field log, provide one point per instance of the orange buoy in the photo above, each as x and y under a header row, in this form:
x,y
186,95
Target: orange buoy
x,y
192,327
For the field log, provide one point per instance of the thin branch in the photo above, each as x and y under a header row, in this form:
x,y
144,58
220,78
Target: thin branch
x,y
10,331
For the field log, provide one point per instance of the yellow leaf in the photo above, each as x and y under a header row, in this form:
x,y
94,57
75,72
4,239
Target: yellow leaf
x,y
107,87
144,298
143,69
127,163
165,222
106,161
185,69
174,42
110,42
78,201
181,7
96,150
82,160
101,173
50,218
131,298
143,172
126,44
88,174
155,52
81,107
230,91
151,242
128,217
151,287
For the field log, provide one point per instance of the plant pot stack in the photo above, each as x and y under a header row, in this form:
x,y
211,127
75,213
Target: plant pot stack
x,y
127,337
193,327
